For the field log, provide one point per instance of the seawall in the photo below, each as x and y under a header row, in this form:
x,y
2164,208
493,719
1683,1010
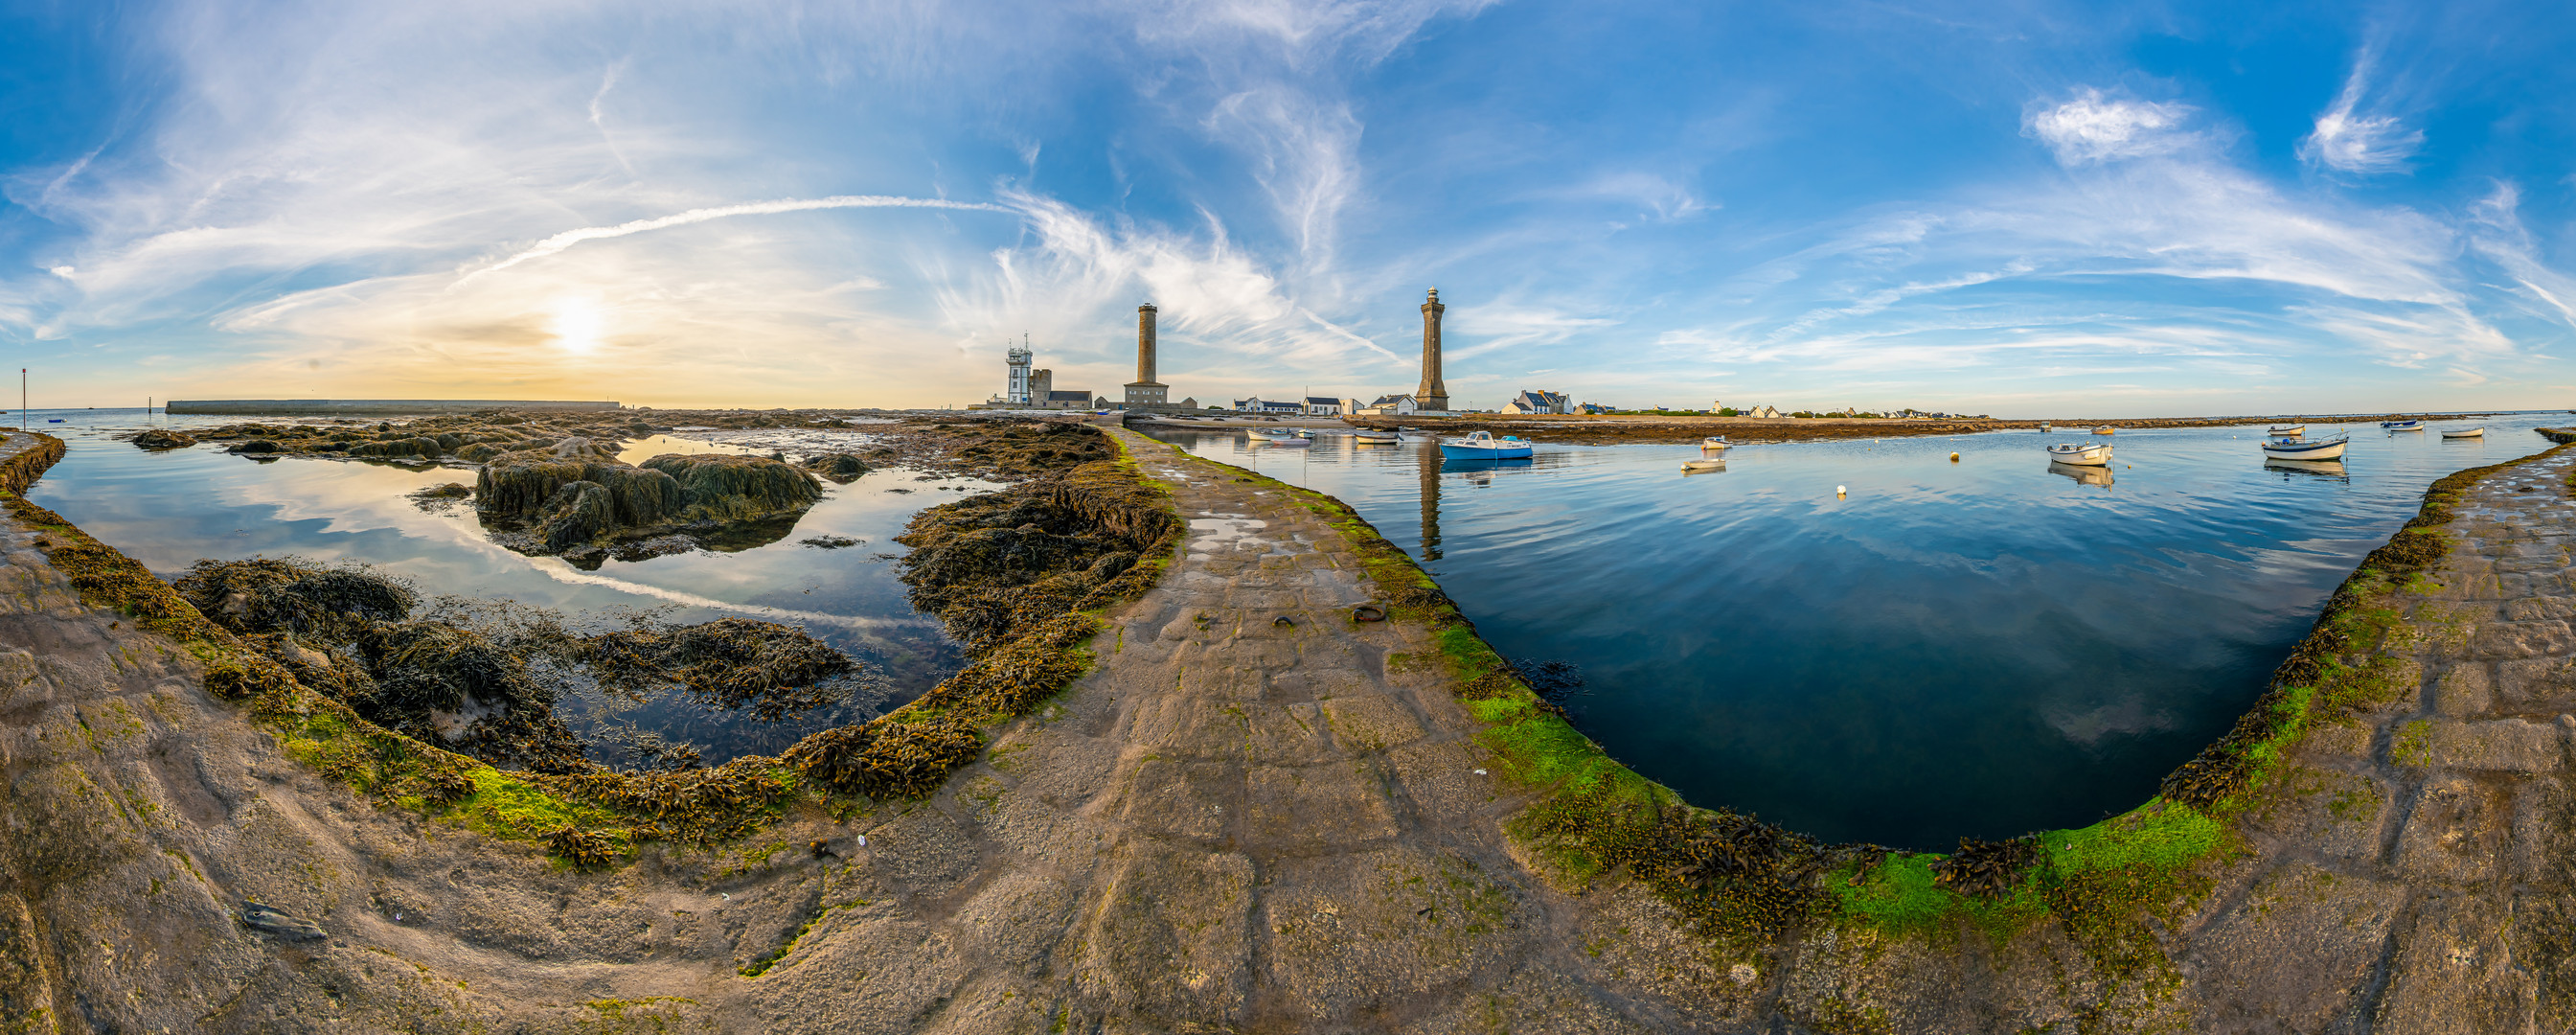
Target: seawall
x,y
369,407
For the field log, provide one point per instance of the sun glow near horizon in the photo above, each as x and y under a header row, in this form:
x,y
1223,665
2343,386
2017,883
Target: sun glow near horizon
x,y
577,325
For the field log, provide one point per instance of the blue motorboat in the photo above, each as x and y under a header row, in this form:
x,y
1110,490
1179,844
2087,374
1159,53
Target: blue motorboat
x,y
2401,425
1483,445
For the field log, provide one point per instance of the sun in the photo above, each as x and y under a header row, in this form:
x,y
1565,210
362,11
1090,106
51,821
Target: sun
x,y
576,327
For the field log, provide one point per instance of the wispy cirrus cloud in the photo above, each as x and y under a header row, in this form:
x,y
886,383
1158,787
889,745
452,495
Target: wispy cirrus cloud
x,y
2092,127
2348,140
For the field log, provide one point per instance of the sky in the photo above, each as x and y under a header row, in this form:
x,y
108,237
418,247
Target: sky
x,y
2019,208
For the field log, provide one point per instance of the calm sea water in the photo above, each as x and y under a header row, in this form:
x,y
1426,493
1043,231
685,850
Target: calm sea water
x,y
169,509
1984,647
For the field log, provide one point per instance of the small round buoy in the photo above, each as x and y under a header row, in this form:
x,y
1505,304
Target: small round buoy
x,y
1839,490
1954,458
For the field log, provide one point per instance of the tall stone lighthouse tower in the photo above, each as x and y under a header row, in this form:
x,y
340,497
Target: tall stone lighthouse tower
x,y
1433,395
1144,391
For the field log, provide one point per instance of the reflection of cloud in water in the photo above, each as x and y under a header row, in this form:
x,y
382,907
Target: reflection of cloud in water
x,y
2117,719
558,570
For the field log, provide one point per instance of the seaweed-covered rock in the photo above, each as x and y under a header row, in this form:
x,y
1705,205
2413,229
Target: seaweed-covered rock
x,y
738,488
891,757
842,468
773,670
624,503
293,595
578,513
164,438
992,565
638,498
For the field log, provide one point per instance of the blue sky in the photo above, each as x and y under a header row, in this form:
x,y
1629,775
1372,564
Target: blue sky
x,y
2018,208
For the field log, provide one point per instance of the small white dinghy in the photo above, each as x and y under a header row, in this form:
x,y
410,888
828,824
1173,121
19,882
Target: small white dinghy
x,y
1293,440
1690,466
2292,448
2080,454
2475,432
1482,445
2294,429
1714,443
2401,425
1378,438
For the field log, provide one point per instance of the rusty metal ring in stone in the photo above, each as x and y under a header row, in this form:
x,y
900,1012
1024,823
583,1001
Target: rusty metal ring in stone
x,y
1368,613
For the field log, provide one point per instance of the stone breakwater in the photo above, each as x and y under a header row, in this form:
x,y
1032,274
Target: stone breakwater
x,y
1258,814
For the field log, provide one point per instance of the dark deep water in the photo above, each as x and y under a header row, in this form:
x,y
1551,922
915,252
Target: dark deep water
x,y
169,509
1987,647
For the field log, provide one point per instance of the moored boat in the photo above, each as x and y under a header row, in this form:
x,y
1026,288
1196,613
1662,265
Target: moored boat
x,y
2476,432
2292,448
1482,445
2106,430
2401,425
2294,429
1690,466
1377,438
1713,442
2080,454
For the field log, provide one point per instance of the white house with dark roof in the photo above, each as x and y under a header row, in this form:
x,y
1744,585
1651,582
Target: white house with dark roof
x,y
1539,402
1269,407
1388,406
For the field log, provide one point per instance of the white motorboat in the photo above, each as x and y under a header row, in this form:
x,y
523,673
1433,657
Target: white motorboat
x,y
2043,429
2401,425
1689,466
2476,432
1291,439
2293,448
1714,443
2080,454
1377,438
2294,429
1482,445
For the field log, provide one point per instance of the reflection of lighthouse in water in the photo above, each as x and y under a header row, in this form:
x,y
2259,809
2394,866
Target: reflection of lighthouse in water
x,y
1428,461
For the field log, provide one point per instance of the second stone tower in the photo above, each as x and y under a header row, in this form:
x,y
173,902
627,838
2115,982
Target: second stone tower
x,y
1433,395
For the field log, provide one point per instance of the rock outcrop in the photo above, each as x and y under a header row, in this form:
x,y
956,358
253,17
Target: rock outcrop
x,y
163,438
575,502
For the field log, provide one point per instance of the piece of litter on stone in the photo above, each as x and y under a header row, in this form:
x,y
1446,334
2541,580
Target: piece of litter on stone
x,y
863,840
1480,772
726,896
